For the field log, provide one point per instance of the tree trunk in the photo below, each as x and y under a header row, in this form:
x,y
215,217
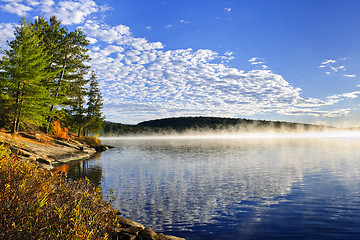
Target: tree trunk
x,y
13,129
56,96
17,110
79,132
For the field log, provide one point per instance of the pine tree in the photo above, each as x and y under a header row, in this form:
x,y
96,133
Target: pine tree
x,y
53,35
23,68
68,55
94,106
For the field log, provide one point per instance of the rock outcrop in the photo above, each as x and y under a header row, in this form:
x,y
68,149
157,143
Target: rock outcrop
x,y
48,152
135,231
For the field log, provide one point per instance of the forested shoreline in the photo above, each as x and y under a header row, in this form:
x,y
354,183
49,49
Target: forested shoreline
x,y
181,125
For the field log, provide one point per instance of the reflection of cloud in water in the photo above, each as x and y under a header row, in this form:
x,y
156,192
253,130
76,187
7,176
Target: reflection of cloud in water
x,y
176,184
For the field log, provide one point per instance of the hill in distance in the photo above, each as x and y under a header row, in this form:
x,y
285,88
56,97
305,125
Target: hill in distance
x,y
182,125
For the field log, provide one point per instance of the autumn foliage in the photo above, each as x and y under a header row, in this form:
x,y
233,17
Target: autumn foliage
x,y
59,132
38,204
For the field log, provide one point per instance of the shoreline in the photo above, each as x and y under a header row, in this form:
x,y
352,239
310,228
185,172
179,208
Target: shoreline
x,y
49,153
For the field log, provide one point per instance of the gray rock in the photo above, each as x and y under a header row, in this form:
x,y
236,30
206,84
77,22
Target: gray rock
x,y
129,223
66,144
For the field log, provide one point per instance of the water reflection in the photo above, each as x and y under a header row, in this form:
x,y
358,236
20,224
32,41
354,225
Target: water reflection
x,y
85,168
237,189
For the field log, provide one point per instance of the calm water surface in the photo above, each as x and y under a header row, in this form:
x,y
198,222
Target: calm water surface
x,y
234,189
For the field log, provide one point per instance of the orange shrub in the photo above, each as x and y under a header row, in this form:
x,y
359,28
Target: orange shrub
x,y
59,132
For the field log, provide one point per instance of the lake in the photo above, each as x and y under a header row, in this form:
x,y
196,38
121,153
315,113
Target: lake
x,y
234,187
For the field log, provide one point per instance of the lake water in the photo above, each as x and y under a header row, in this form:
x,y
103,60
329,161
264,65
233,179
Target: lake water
x,y
234,188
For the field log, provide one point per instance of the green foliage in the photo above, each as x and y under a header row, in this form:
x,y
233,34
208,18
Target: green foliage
x,y
94,118
45,75
39,204
23,68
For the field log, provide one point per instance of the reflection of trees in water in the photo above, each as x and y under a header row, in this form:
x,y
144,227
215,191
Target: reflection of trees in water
x,y
86,168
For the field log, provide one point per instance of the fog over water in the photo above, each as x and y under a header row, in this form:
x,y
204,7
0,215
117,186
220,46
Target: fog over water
x,y
203,135
239,186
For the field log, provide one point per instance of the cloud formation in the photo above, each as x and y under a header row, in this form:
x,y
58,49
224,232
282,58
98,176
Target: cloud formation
x,y
141,80
17,8
148,80
333,66
258,62
70,12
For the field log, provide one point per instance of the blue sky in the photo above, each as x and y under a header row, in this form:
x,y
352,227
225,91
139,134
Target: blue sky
x,y
262,59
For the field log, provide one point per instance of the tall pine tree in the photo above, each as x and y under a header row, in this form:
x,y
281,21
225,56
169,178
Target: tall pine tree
x,y
94,106
68,54
23,68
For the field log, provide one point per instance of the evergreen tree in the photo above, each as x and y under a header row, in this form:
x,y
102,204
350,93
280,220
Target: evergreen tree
x,y
44,75
53,39
23,67
68,55
94,106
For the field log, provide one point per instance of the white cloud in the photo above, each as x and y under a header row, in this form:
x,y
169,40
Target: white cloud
x,y
256,61
91,40
73,12
6,33
332,65
16,8
316,112
340,97
350,75
33,3
183,21
327,62
69,12
169,26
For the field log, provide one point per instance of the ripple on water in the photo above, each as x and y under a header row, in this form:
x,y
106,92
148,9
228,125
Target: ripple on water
x,y
269,189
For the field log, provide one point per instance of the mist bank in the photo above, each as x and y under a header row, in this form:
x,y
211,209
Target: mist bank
x,y
209,125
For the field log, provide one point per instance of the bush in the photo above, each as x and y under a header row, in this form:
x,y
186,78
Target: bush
x,y
59,132
91,141
39,204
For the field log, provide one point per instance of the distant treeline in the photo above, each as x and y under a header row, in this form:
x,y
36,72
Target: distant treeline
x,y
199,124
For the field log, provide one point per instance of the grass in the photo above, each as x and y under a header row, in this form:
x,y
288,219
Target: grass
x,y
39,204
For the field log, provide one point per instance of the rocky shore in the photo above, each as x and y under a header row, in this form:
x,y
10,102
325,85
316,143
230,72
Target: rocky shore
x,y
48,153
135,231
